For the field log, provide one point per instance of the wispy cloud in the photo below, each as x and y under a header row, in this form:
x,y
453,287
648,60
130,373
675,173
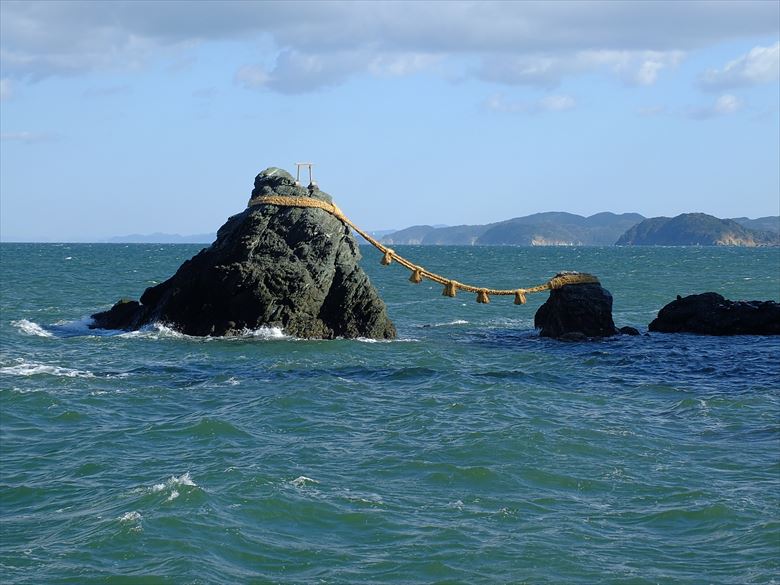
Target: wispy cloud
x,y
28,137
632,67
760,65
650,111
551,103
109,91
725,105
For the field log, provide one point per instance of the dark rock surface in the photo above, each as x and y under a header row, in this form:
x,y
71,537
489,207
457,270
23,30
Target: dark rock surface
x,y
711,314
289,267
575,312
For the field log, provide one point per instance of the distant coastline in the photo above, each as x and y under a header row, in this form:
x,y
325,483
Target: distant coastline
x,y
601,229
545,229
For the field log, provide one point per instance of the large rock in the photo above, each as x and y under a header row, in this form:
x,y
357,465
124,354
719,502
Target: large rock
x,y
289,267
576,311
711,314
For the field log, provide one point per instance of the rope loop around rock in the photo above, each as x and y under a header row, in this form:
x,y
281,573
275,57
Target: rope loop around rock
x,y
418,272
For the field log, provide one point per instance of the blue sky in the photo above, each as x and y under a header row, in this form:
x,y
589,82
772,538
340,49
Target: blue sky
x,y
140,117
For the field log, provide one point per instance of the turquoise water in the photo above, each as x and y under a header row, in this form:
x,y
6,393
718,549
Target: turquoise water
x,y
468,451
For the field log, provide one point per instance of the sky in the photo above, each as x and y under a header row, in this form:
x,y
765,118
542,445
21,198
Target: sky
x,y
138,117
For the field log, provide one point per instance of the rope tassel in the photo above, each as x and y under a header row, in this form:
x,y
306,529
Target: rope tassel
x,y
416,276
387,258
520,297
449,289
482,297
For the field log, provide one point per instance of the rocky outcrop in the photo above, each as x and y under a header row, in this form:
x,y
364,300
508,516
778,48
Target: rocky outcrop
x,y
711,314
575,312
289,267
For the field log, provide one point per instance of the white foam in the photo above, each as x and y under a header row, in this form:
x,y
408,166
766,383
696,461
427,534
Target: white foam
x,y
451,323
130,517
24,368
266,333
31,328
73,328
302,480
155,331
173,496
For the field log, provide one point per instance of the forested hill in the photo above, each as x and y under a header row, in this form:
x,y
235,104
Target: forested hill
x,y
696,229
539,229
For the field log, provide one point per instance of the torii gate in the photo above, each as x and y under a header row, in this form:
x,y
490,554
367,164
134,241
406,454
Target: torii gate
x,y
312,184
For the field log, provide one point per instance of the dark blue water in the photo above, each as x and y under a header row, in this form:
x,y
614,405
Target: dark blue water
x,y
468,451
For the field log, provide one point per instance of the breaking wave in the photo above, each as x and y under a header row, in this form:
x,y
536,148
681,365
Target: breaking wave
x,y
31,328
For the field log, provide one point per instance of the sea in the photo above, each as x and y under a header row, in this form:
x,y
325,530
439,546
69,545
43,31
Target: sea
x,y
469,450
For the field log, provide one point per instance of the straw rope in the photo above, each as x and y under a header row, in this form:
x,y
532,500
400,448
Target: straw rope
x,y
418,272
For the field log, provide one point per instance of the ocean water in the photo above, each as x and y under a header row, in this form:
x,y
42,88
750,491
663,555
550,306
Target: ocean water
x,y
467,451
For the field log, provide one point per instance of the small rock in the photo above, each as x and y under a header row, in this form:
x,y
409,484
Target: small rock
x,y
581,309
628,331
711,314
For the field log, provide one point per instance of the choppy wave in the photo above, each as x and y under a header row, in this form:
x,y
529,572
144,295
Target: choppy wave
x,y
24,368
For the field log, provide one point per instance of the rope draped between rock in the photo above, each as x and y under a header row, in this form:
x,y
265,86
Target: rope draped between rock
x,y
418,272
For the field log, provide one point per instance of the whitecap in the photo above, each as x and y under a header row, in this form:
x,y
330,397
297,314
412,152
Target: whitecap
x,y
31,328
448,323
302,480
130,517
173,496
31,369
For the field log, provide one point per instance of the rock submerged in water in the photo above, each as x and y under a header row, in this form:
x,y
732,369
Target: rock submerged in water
x,y
711,314
576,312
288,267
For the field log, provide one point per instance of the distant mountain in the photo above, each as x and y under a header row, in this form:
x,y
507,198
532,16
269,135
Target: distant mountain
x,y
770,223
540,229
695,229
158,238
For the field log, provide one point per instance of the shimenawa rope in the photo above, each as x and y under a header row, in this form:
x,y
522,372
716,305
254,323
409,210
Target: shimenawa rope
x,y
418,272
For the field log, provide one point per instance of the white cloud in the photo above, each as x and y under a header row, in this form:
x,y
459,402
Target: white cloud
x,y
252,76
632,67
725,105
759,65
551,103
317,44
